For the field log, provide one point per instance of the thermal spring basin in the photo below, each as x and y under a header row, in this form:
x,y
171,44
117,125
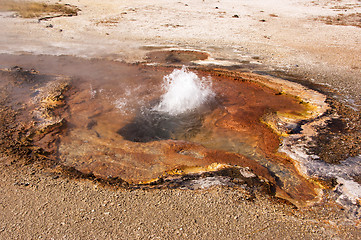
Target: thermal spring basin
x,y
115,120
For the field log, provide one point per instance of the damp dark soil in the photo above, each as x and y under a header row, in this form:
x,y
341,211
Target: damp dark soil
x,y
181,57
340,138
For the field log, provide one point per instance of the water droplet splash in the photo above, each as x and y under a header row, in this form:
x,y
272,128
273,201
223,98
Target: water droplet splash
x,y
185,91
178,114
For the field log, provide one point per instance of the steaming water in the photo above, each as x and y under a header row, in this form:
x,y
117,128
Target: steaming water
x,y
107,86
179,113
185,91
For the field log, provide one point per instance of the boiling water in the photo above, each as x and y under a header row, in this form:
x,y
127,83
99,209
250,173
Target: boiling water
x,y
185,91
121,123
179,113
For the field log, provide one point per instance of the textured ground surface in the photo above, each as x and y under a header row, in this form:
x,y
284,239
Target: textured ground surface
x,y
302,37
34,206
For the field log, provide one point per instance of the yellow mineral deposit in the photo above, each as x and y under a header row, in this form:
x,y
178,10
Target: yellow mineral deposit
x,y
29,9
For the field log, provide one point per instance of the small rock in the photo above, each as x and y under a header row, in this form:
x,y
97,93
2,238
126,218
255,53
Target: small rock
x,y
50,26
235,16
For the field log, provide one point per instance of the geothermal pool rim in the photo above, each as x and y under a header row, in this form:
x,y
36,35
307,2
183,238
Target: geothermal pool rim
x,y
314,101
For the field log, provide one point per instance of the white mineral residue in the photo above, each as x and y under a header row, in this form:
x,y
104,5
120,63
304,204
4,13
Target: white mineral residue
x,y
350,191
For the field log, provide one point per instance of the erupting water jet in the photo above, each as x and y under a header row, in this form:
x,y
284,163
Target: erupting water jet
x,y
178,114
185,91
125,126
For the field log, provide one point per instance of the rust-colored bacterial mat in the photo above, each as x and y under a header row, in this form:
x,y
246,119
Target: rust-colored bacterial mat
x,y
105,118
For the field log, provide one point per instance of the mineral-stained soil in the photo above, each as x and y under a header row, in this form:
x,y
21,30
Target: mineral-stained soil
x,y
29,125
75,123
72,124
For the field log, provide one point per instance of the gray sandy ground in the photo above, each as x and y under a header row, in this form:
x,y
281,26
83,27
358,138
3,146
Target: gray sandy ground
x,y
38,206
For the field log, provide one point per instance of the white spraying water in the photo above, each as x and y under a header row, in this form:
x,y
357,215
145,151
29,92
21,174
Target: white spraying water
x,y
185,91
